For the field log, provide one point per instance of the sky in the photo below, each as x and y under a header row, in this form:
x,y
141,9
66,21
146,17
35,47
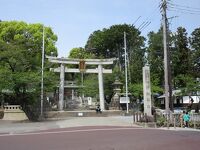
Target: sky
x,y
74,20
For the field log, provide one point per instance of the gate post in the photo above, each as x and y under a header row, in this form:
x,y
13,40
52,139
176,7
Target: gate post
x,y
101,90
61,87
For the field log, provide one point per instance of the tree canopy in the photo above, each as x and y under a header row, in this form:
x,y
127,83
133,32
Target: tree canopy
x,y
109,43
20,58
184,58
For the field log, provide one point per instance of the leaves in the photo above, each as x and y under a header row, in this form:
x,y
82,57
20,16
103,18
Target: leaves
x,y
80,53
20,58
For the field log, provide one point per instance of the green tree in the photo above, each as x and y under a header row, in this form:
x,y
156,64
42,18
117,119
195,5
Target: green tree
x,y
195,44
155,57
90,86
109,43
80,53
20,59
181,57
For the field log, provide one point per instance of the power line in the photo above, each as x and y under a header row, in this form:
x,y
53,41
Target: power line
x,y
136,20
149,19
183,9
184,12
198,11
145,26
182,6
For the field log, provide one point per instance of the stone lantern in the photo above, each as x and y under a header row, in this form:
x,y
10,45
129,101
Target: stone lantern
x,y
114,104
117,86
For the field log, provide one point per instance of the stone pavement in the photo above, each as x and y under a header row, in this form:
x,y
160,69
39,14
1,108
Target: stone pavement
x,y
19,127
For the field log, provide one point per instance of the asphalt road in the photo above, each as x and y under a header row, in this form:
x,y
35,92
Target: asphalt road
x,y
101,138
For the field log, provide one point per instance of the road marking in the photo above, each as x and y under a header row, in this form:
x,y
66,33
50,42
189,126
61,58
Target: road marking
x,y
72,131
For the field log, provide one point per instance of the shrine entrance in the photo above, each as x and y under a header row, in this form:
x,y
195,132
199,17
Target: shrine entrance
x,y
82,68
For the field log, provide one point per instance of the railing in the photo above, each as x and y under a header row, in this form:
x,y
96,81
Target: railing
x,y
141,117
194,122
174,120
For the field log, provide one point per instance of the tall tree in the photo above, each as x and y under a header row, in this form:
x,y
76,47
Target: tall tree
x,y
181,57
195,44
109,43
20,58
155,57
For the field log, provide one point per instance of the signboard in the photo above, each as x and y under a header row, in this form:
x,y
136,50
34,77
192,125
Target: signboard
x,y
89,101
186,99
82,66
124,100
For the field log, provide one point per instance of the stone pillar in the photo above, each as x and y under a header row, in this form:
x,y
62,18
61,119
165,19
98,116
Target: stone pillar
x,y
72,94
147,90
101,90
61,87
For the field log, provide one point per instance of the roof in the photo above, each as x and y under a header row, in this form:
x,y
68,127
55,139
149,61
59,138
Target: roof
x,y
174,93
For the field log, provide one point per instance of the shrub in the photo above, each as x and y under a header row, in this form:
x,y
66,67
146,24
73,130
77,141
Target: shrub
x,y
161,121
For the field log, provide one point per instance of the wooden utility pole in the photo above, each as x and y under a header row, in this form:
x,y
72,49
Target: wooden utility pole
x,y
166,61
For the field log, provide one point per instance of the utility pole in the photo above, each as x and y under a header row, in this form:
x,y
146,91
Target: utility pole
x,y
166,61
126,78
42,76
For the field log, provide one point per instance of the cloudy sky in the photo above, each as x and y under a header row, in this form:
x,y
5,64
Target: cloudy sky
x,y
74,20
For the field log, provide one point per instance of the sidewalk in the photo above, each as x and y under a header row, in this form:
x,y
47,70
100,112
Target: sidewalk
x,y
180,129
126,121
17,127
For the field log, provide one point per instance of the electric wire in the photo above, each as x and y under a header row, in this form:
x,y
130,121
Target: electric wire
x,y
183,9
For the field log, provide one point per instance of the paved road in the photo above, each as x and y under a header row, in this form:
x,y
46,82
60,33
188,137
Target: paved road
x,y
94,133
102,138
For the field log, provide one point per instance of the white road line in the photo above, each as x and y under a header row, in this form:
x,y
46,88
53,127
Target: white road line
x,y
72,131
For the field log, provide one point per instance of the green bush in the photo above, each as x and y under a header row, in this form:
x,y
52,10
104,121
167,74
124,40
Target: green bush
x,y
161,121
196,124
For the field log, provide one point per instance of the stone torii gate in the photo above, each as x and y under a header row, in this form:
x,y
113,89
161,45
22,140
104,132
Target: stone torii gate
x,y
82,68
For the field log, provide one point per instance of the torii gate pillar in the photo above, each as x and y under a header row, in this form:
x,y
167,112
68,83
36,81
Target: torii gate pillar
x,y
61,87
101,89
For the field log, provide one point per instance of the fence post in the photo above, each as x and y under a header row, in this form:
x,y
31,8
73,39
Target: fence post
x,y
181,120
194,124
136,117
133,117
140,116
167,120
194,120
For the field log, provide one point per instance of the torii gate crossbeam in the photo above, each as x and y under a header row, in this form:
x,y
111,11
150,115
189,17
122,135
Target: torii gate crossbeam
x,y
62,69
